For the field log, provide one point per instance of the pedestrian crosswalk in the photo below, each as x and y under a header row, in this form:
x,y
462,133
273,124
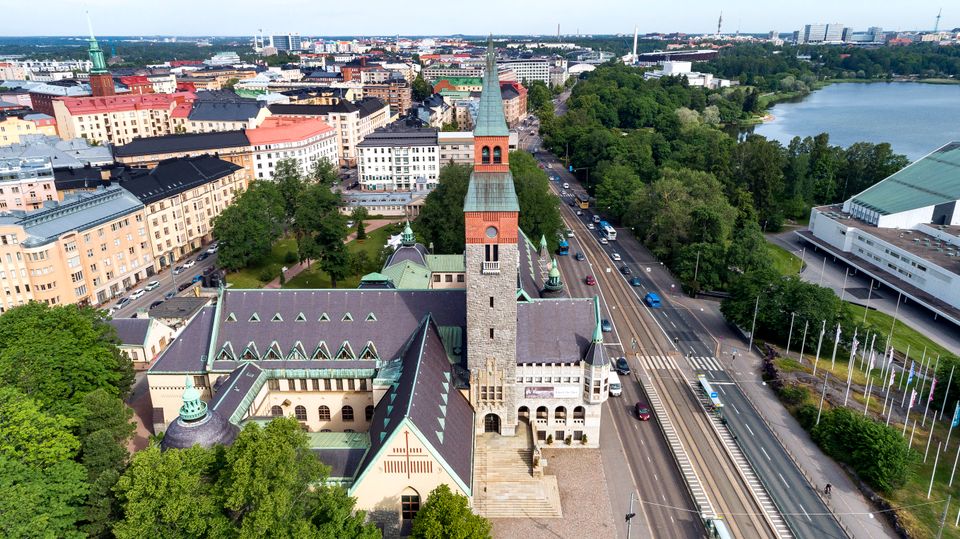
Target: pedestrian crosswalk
x,y
697,363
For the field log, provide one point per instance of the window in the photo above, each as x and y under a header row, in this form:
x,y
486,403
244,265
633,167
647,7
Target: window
x,y
347,413
560,414
368,413
491,302
578,412
409,505
273,384
491,333
276,411
300,412
324,413
497,158
542,412
485,155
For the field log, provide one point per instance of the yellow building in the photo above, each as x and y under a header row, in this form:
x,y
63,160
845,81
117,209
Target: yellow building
x,y
117,119
13,126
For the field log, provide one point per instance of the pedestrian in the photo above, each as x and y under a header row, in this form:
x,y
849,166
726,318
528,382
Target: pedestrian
x,y
827,489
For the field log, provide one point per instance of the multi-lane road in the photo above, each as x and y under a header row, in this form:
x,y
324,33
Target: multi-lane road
x,y
168,283
673,347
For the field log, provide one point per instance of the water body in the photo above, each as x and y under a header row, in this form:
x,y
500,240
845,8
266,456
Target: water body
x,y
915,118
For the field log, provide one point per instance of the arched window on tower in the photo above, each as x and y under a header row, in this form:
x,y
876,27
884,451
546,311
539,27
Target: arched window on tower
x,y
485,155
300,412
276,411
497,157
324,412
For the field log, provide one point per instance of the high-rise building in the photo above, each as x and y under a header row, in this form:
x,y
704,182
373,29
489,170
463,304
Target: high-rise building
x,y
834,33
286,42
822,33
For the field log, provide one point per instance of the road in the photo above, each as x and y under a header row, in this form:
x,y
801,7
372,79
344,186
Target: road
x,y
690,349
168,283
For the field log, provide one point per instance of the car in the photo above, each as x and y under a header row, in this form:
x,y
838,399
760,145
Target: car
x,y
169,295
589,280
579,256
155,303
152,285
579,212
571,203
652,300
184,286
569,233
635,281
591,226
549,166
625,269
615,257
643,411
621,366
203,256
566,185
212,249
606,326
189,264
197,279
349,224
121,304
137,294
603,241
178,270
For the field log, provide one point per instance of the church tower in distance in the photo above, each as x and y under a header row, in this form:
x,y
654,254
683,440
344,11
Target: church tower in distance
x,y
491,213
101,81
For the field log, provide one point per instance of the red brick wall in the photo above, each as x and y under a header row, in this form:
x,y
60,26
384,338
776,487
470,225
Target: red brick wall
x,y
491,142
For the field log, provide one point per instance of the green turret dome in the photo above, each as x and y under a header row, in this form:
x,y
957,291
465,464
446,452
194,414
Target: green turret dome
x,y
193,408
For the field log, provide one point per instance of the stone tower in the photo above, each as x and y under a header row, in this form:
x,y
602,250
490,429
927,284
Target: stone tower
x,y
491,211
101,81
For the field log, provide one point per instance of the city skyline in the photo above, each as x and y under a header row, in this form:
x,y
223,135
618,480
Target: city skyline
x,y
698,16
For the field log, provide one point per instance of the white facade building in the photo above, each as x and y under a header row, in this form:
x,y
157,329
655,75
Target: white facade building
x,y
399,159
677,68
305,139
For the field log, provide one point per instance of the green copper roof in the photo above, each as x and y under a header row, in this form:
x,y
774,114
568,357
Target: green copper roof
x,y
490,119
934,179
193,408
597,331
462,81
491,191
408,237
374,277
408,275
446,263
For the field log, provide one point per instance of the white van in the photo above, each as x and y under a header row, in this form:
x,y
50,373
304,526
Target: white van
x,y
566,186
614,382
596,218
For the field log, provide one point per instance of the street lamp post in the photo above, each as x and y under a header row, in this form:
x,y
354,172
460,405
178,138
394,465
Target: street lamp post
x,y
753,326
631,514
793,315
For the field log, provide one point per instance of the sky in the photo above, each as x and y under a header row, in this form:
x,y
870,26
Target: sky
x,y
391,17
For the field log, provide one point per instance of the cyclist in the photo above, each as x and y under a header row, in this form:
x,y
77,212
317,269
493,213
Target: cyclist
x,y
827,489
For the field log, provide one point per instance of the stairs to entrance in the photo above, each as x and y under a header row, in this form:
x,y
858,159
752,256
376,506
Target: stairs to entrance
x,y
505,486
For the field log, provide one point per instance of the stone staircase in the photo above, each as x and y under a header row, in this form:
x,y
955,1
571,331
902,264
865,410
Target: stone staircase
x,y
505,486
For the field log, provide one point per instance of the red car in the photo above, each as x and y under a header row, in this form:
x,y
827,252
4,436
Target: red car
x,y
643,411
590,280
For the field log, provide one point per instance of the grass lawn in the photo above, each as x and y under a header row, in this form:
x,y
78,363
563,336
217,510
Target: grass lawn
x,y
317,278
785,262
250,277
903,334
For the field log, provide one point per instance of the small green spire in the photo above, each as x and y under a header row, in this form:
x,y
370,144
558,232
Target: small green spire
x,y
99,65
543,245
408,238
597,331
193,408
553,281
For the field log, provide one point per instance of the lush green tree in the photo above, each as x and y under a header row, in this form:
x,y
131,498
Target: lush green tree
x,y
441,218
421,89
538,95
322,230
290,184
617,184
334,516
41,502
171,494
539,207
359,216
758,166
59,354
248,228
324,172
29,435
447,515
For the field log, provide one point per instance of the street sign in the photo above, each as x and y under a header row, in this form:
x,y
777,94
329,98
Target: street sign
x,y
714,395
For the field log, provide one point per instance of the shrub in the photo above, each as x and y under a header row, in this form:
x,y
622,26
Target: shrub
x,y
569,440
290,257
549,439
794,394
807,416
583,439
267,274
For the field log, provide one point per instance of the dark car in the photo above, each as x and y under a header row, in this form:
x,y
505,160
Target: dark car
x,y
643,411
621,366
580,256
605,326
178,270
155,303
169,295
203,256
197,279
625,269
184,286
635,281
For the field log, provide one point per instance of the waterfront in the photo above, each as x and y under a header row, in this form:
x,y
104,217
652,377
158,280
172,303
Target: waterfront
x,y
915,118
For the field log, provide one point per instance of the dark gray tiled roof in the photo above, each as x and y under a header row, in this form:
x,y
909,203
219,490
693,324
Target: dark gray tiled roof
x,y
186,353
225,111
131,330
207,432
343,462
554,330
230,392
399,136
416,253
182,307
365,106
173,176
395,316
187,142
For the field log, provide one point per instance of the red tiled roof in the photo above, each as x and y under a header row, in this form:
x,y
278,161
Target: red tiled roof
x,y
278,129
118,103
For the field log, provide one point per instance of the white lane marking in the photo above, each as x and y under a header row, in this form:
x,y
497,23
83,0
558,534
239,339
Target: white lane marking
x,y
784,480
722,390
749,429
672,324
737,411
765,453
805,512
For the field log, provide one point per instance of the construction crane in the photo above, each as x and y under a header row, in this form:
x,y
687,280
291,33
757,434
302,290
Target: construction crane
x,y
936,26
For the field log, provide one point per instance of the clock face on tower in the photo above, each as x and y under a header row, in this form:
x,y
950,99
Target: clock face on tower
x,y
491,232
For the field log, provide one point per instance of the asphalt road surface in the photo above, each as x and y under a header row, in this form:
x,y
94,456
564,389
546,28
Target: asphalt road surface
x,y
168,283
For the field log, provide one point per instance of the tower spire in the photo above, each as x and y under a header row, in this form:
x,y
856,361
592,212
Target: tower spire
x,y
193,408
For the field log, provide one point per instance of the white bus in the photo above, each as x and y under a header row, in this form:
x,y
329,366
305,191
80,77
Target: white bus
x,y
607,231
614,382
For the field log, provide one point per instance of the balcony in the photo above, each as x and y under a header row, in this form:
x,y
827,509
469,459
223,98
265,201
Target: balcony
x,y
491,268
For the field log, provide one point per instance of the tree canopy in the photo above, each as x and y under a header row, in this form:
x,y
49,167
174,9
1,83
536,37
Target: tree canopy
x,y
248,228
446,515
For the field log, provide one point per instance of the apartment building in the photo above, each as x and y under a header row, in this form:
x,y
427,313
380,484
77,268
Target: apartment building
x,y
399,159
528,70
62,154
396,93
206,115
87,249
351,121
14,125
117,119
455,147
25,184
181,197
232,146
514,97
307,140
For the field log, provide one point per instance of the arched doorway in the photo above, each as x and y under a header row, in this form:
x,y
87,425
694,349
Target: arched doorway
x,y
524,413
491,423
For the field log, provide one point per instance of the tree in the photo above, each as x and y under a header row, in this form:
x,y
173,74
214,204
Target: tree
x,y
43,502
59,354
441,217
322,229
290,184
446,515
323,172
538,95
617,184
29,435
334,516
247,228
421,89
539,207
359,215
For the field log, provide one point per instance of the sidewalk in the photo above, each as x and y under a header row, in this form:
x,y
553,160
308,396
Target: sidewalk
x,y
850,506
298,268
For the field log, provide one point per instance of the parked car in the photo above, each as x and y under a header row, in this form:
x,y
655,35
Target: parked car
x,y
579,256
605,326
152,285
212,249
121,304
621,366
635,281
625,269
643,411
169,295
189,264
203,256
155,303
349,224
184,286
590,280
615,257
197,279
178,270
137,294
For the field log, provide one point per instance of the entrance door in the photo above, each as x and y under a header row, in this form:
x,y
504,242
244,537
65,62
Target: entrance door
x,y
491,423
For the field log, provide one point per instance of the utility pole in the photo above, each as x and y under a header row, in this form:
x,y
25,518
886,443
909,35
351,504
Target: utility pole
x,y
631,514
753,326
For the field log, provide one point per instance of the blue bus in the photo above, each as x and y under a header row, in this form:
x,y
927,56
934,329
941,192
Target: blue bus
x,y
606,231
564,247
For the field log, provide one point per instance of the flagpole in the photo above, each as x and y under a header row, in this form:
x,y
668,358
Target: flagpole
x,y
790,334
927,450
934,472
867,405
803,341
836,342
947,392
921,365
863,352
843,289
933,384
905,359
953,423
822,395
912,432
954,466
885,395
823,329
851,364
